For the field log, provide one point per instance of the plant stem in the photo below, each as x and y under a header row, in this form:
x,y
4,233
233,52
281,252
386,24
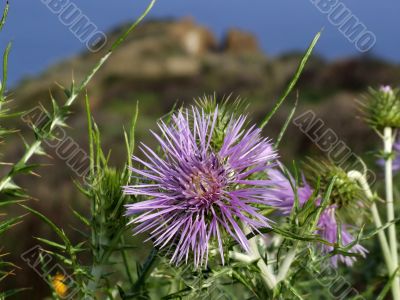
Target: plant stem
x,y
242,257
388,145
126,263
147,268
361,179
97,271
285,266
266,272
388,148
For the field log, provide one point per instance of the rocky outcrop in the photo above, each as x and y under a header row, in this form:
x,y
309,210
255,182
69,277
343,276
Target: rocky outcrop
x,y
194,39
239,42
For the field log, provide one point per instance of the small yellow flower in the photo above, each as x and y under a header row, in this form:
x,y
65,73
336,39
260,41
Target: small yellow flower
x,y
59,285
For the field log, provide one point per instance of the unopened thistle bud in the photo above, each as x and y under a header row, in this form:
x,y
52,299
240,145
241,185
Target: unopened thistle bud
x,y
382,107
227,108
345,192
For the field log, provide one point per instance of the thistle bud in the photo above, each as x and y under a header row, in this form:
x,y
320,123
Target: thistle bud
x,y
345,192
226,108
382,107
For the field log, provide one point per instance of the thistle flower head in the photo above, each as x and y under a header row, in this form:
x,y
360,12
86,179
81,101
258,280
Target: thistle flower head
x,y
382,107
345,192
199,191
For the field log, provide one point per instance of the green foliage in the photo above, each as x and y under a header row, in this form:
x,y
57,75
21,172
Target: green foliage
x,y
104,228
106,183
10,192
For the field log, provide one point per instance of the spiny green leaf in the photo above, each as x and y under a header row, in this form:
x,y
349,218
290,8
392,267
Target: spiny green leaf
x,y
10,202
10,223
51,243
377,230
388,285
26,168
5,69
59,256
4,16
130,137
81,218
90,134
36,146
293,81
53,226
285,126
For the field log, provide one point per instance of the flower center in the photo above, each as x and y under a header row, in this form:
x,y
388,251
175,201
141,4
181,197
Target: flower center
x,y
205,183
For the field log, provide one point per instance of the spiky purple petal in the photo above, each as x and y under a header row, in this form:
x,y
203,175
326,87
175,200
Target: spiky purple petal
x,y
282,191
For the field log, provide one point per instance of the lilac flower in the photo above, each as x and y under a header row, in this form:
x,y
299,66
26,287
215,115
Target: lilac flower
x,y
199,191
328,230
386,89
327,226
396,159
282,193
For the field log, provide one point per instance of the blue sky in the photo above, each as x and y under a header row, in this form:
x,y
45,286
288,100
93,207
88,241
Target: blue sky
x,y
39,39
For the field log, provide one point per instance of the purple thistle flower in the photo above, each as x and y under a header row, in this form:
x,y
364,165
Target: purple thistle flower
x,y
327,227
328,230
282,193
197,192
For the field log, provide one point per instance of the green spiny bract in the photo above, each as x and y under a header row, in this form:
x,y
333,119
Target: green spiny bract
x,y
382,107
345,192
108,199
228,108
